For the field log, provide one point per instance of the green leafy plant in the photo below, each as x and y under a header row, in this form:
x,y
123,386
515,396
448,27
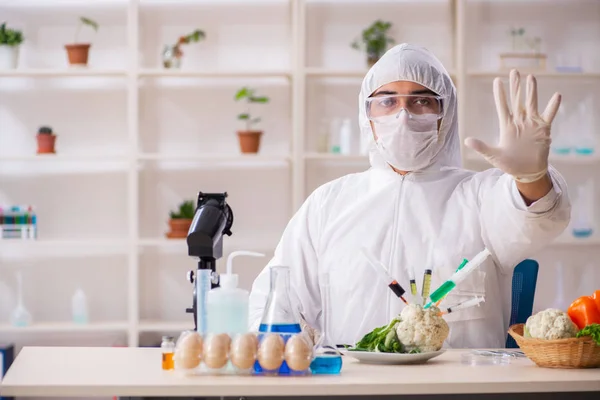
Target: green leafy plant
x,y
374,40
249,95
84,21
193,37
186,210
10,37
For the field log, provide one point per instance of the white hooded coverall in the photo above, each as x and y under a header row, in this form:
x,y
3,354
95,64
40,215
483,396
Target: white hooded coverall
x,y
433,218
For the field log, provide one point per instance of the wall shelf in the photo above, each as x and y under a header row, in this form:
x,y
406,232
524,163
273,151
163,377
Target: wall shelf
x,y
66,327
59,73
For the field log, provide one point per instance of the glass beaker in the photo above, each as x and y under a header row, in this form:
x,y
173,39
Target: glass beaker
x,y
279,315
327,359
582,227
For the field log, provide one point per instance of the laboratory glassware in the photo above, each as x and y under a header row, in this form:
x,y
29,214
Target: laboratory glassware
x,y
279,316
20,316
585,141
582,227
457,277
327,358
561,139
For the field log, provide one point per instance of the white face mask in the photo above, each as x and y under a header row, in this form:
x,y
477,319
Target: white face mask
x,y
408,143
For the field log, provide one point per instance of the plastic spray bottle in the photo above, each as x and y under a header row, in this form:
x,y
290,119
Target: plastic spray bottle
x,y
227,305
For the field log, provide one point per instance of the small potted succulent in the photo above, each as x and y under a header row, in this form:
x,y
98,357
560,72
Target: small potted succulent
x,y
46,140
249,139
172,54
180,220
374,41
10,40
78,53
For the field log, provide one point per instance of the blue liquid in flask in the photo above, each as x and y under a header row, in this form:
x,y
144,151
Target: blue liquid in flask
x,y
326,365
582,233
278,317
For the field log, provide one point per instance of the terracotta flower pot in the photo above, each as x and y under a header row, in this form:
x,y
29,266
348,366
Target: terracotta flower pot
x,y
78,53
249,141
46,143
179,228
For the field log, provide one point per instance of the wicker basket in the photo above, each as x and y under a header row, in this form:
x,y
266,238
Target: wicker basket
x,y
562,353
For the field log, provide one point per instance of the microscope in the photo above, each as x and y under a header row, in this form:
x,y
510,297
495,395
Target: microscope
x,y
213,219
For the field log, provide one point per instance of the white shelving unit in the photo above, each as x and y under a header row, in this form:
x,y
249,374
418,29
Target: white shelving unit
x,y
172,134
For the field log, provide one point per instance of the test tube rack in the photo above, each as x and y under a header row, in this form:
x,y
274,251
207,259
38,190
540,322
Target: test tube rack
x,y
18,222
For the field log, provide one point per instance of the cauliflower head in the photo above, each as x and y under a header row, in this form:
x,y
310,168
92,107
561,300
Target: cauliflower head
x,y
550,324
420,329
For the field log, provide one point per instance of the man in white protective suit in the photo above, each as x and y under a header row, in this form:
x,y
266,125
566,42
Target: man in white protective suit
x,y
416,208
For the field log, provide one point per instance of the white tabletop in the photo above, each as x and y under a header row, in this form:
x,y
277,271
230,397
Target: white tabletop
x,y
97,371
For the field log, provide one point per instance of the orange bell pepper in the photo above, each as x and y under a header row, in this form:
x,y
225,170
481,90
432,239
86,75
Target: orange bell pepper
x,y
585,310
596,297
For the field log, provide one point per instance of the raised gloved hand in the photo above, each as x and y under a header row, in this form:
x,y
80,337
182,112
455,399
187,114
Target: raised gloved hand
x,y
524,143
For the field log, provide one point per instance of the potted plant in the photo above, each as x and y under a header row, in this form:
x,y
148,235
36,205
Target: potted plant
x,y
172,54
46,140
77,53
249,138
180,221
374,41
10,39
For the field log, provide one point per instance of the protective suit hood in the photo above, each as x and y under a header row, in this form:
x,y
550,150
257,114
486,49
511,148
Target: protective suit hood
x,y
406,62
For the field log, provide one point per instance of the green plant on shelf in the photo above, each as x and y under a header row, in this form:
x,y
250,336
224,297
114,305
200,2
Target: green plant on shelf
x,y
375,41
172,54
185,210
10,37
249,95
84,21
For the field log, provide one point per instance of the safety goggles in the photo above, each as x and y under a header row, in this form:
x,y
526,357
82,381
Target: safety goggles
x,y
382,108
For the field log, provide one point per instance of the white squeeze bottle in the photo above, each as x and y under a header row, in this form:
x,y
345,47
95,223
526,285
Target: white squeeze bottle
x,y
227,305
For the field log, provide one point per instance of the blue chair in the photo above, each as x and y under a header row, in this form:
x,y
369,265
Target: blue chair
x,y
523,293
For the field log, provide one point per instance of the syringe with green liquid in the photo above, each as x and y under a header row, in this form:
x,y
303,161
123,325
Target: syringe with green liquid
x,y
457,277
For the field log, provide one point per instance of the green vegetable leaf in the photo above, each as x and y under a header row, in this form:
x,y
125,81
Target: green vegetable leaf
x,y
382,339
592,330
244,116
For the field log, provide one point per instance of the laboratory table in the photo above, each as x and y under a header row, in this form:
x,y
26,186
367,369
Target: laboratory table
x,y
136,372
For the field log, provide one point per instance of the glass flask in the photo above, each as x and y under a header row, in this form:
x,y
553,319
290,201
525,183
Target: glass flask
x,y
582,227
279,316
327,359
561,140
585,138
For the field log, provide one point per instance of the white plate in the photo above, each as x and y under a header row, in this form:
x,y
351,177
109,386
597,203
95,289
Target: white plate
x,y
369,357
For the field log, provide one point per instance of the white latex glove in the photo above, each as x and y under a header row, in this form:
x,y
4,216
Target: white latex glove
x,y
312,334
524,144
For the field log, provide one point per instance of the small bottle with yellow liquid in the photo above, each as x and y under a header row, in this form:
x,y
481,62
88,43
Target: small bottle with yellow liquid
x,y
168,350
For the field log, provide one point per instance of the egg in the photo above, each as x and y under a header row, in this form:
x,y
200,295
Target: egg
x,y
216,350
270,352
243,351
190,343
185,360
298,353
